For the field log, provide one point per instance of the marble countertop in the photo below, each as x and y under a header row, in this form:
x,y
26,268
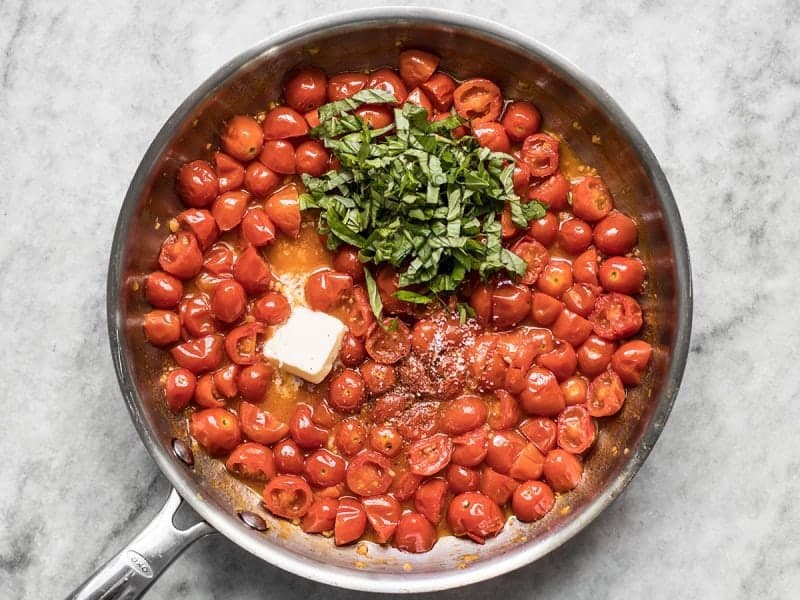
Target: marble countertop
x,y
714,87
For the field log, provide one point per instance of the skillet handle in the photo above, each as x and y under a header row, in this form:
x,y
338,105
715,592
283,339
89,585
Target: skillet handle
x,y
127,575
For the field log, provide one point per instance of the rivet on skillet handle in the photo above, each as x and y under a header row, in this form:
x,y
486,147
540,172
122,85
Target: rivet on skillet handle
x,y
252,520
183,452
127,575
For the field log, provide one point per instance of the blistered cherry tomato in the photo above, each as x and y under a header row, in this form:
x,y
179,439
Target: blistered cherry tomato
x,y
417,66
253,381
561,360
323,468
491,134
377,116
260,425
321,516
162,327
272,308
179,388
591,200
389,341
414,533
180,255
344,85
282,123
541,432
418,97
575,235
216,430
306,89
616,316
606,395
241,343
496,486
257,228
571,327
576,429
359,318
520,120
536,257
387,407
553,191
555,278
594,355
585,267
202,224
196,316
242,138
283,208
511,303
503,413
352,352
162,290
386,440
369,474
504,447
288,457
474,515
575,389
197,183
544,230
350,436
562,470
251,461
225,380
430,455
346,390
440,88
622,274
388,81
288,496
379,378
304,431
219,260
260,180
229,170
580,299
478,101
383,515
540,152
463,414
229,208
470,449
228,301
351,521
252,271
429,499
508,228
541,395
532,500
278,157
616,234
205,394
346,261
545,309
311,157
481,302
528,464
520,178
462,479
325,288
199,355
630,361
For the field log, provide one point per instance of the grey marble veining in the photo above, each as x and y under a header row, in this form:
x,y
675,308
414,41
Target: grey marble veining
x,y
715,89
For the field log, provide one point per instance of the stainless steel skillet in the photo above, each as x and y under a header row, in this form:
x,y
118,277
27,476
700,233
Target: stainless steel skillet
x,y
575,107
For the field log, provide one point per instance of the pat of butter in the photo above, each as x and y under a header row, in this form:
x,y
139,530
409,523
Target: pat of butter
x,y
307,344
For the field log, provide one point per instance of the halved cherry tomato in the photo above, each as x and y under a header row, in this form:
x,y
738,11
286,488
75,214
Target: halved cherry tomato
x,y
352,352
282,123
535,255
346,390
545,309
205,394
630,361
388,407
575,390
260,180
504,447
229,208
229,301
346,261
585,267
504,413
555,278
496,486
405,483
179,388
511,303
251,461
324,468
561,360
571,327
242,138
257,228
541,432
359,317
199,355
216,430
521,178
321,515
197,183
283,208
312,158
202,224
463,414
162,290
540,152
470,449
418,97
616,316
553,191
616,234
562,470
414,533
388,281
383,514
389,341
278,156
350,436
576,429
492,135
430,455
439,89
429,499
378,378
252,271
253,381
369,474
229,170
622,274
544,230
288,496
508,229
260,425
241,343
219,260
162,327
304,431
606,395
386,439
520,120
594,355
541,395
288,457
580,298
388,81
351,521
527,464
195,314
417,66
478,100
377,116
591,200
344,85
325,288
475,515
532,500
461,479
180,255
575,235
481,302
306,89
272,308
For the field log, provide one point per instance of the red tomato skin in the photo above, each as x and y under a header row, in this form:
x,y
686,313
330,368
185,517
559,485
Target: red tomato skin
x,y
260,180
288,457
532,501
253,381
304,431
216,429
179,389
418,97
555,278
205,394
369,474
202,224
492,135
572,327
346,261
511,303
497,486
344,85
541,432
575,236
505,413
242,138
594,355
229,208
306,89
606,395
575,390
288,496
199,355
616,234
414,533
528,464
616,316
346,390
462,479
378,378
311,158
162,290
272,308
541,396
470,449
475,515
540,152
230,171
377,116
244,334
561,360
282,123
283,208
630,361
562,470
439,89
162,327
389,342
350,436
260,425
257,228
504,447
545,309
278,157
180,255
429,499
388,81
576,429
535,255
430,455
585,267
197,183
580,298
321,515
544,230
325,288
463,414
324,468
383,515
553,191
252,271
622,274
251,461
417,66
591,200
520,120
228,301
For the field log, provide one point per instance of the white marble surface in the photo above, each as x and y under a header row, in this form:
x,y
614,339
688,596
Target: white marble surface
x,y
715,90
